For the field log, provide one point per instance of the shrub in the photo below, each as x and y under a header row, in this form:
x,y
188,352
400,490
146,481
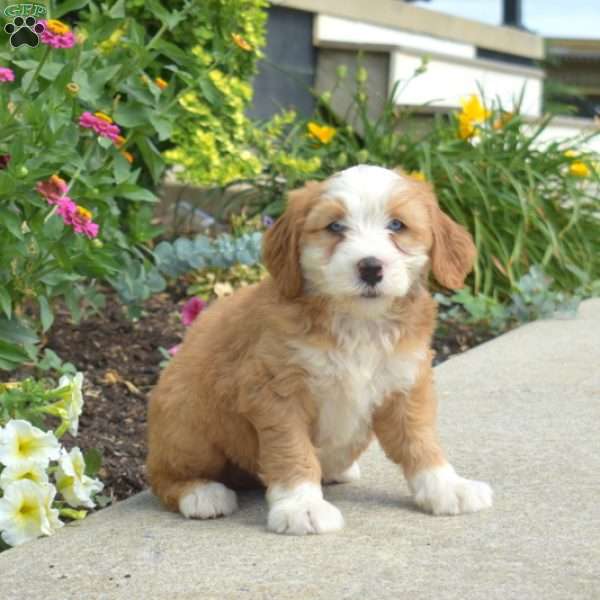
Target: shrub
x,y
81,125
221,42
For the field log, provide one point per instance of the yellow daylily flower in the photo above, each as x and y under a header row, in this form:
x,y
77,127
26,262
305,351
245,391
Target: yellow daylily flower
x,y
474,110
579,169
473,113
323,133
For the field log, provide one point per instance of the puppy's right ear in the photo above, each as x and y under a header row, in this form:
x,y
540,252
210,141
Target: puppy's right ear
x,y
281,243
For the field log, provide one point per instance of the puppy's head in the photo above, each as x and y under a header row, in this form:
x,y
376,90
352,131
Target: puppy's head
x,y
365,233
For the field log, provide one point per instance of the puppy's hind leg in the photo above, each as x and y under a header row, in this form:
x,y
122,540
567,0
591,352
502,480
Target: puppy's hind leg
x,y
189,486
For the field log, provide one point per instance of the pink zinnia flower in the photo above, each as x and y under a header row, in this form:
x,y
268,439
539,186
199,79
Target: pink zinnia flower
x,y
57,34
191,309
6,74
102,124
80,219
65,208
53,190
77,217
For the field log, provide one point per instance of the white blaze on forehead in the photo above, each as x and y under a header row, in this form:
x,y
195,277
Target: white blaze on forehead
x,y
365,192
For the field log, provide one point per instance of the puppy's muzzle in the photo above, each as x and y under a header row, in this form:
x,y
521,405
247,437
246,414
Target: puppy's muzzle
x,y
370,270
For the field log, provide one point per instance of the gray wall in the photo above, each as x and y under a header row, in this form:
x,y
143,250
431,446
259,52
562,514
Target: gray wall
x,y
287,73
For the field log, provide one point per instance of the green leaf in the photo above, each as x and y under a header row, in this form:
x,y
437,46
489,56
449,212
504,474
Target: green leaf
x,y
162,125
46,315
159,11
12,222
139,194
151,157
12,353
93,461
15,331
68,6
5,302
118,10
131,114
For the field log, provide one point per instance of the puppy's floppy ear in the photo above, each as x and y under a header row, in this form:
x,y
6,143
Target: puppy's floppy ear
x,y
281,243
453,252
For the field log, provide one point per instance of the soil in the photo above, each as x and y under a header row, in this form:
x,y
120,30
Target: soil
x,y
120,360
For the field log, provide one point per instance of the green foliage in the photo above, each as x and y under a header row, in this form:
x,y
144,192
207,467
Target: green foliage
x,y
525,202
185,255
534,297
44,258
220,42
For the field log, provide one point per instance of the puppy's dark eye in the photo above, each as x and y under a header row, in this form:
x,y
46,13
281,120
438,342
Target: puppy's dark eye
x,y
336,227
395,225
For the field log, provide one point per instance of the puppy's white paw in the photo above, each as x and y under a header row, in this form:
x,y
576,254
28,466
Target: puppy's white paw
x,y
301,510
442,492
208,501
352,473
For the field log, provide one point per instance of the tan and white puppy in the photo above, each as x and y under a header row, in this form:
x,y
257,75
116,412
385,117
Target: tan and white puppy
x,y
285,382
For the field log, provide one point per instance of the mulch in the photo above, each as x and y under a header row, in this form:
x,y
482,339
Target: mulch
x,y
120,359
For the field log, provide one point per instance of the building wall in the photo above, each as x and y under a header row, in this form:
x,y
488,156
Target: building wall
x,y
287,73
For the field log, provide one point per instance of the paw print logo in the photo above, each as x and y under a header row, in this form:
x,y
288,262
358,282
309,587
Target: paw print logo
x,y
24,32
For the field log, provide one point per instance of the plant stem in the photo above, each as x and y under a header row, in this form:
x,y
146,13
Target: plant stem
x,y
82,164
38,69
157,36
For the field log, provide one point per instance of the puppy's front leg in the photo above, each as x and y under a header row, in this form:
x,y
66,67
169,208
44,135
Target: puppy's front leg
x,y
290,469
405,426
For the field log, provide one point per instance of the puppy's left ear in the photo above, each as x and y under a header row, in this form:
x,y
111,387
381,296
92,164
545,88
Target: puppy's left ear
x,y
281,243
453,252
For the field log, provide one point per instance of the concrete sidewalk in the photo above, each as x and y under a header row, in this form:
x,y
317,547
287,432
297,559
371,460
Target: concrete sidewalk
x,y
522,412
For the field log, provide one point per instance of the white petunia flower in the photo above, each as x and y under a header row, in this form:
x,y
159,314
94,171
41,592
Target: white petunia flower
x,y
26,512
26,469
72,482
74,401
21,441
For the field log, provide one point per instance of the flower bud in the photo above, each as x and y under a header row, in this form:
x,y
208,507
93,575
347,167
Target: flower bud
x,y
341,72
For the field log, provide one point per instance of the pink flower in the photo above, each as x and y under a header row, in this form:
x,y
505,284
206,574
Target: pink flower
x,y
53,190
66,208
6,74
102,124
79,218
57,34
173,351
191,309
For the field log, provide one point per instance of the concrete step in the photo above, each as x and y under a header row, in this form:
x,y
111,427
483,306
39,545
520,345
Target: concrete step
x,y
521,412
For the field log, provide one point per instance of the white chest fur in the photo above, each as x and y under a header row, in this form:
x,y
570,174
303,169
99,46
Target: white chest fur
x,y
350,381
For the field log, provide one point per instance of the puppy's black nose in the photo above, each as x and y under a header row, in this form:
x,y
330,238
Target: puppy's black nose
x,y
370,270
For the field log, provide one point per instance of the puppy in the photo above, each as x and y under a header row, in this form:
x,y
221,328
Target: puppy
x,y
286,382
